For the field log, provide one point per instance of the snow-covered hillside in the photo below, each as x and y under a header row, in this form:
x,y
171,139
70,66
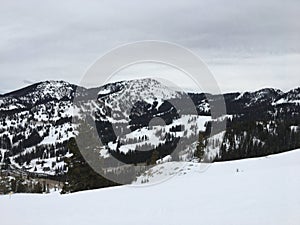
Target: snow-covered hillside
x,y
37,122
252,191
292,96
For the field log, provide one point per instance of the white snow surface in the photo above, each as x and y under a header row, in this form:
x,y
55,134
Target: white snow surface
x,y
2,152
283,101
264,191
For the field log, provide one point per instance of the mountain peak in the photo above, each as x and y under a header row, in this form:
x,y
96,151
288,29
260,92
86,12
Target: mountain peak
x,y
268,91
262,95
293,96
146,88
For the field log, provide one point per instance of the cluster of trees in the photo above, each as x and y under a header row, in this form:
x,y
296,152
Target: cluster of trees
x,y
200,147
127,141
142,113
80,175
250,138
146,153
5,142
22,185
41,152
177,128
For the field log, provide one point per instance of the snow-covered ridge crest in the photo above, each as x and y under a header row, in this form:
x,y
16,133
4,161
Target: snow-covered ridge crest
x,y
143,88
292,96
43,91
120,96
260,95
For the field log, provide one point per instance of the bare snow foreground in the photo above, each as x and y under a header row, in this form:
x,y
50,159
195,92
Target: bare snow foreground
x,y
264,191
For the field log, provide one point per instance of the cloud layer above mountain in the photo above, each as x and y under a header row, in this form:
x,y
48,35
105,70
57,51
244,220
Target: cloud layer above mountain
x,y
247,45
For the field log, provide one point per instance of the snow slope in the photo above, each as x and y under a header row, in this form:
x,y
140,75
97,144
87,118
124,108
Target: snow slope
x,y
264,191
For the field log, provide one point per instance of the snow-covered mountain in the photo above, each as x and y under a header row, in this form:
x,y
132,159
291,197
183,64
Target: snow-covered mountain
x,y
35,94
292,97
37,122
263,95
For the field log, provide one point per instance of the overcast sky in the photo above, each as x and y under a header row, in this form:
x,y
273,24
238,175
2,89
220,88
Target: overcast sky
x,y
248,45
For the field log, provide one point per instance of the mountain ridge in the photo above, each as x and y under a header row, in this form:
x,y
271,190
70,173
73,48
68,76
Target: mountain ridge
x,y
38,121
296,89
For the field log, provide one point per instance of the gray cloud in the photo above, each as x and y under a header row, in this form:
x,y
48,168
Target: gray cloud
x,y
247,45
28,82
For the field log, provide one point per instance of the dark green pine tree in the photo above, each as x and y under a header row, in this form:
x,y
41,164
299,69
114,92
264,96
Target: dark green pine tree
x,y
38,188
154,157
80,176
200,148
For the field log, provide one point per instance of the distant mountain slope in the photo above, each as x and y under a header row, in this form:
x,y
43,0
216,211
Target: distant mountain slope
x,y
37,122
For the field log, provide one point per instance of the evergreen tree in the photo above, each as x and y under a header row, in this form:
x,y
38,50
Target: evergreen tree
x,y
80,175
154,157
200,148
38,188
